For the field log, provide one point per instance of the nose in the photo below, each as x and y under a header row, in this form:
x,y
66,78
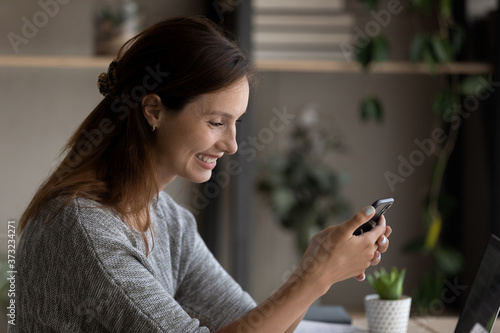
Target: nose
x,y
228,143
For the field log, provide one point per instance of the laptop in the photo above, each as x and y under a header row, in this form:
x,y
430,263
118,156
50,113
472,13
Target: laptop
x,y
483,302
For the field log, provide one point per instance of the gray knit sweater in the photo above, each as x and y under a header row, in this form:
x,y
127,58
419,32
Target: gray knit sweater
x,y
85,271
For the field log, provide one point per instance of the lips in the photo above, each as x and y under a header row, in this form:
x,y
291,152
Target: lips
x,y
207,162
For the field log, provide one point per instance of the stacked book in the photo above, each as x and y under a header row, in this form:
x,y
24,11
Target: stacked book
x,y
300,29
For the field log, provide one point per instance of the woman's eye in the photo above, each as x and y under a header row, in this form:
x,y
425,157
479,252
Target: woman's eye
x,y
216,124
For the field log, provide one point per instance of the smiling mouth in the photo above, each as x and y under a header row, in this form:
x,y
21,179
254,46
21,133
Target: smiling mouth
x,y
206,159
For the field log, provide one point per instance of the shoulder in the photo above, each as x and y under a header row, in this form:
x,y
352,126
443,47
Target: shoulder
x,y
59,208
76,218
77,233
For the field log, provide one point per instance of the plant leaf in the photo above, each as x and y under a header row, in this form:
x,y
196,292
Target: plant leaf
x,y
388,286
423,6
457,39
380,48
433,233
282,200
396,289
377,49
444,102
371,109
470,85
445,8
420,42
442,49
449,260
430,60
416,245
364,54
370,4
428,291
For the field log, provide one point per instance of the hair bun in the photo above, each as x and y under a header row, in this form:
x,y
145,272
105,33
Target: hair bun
x,y
107,81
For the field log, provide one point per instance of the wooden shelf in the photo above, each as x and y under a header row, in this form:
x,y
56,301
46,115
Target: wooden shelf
x,y
390,67
55,61
310,66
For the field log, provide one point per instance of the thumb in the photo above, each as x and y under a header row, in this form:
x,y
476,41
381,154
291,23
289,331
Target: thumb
x,y
360,218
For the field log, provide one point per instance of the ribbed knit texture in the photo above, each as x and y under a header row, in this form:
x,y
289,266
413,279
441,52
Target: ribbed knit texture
x,y
85,271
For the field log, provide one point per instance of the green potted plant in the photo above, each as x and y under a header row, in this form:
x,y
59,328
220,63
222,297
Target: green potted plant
x,y
388,310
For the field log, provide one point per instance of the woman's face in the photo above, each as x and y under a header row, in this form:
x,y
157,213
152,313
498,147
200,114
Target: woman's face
x,y
190,142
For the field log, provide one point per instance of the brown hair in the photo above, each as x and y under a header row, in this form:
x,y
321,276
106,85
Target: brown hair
x,y
110,158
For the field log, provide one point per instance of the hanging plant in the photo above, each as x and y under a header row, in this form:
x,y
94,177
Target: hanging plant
x,y
375,49
435,48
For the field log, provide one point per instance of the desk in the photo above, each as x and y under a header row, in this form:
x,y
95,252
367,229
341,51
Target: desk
x,y
423,324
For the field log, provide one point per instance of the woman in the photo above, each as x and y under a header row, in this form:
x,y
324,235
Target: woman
x,y
104,249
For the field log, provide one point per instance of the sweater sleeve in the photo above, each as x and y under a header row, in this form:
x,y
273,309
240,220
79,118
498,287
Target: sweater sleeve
x,y
80,273
207,291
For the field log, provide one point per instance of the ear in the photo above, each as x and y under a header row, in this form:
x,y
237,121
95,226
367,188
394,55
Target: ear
x,y
151,105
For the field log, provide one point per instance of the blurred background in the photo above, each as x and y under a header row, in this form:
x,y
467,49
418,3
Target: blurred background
x,y
323,137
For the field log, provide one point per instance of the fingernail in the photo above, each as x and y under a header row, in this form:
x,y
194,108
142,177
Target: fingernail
x,y
369,210
363,278
379,256
384,240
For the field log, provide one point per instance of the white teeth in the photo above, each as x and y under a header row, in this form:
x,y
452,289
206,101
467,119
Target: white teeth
x,y
206,159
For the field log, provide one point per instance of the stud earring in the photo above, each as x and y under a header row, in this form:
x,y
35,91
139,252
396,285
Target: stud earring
x,y
153,128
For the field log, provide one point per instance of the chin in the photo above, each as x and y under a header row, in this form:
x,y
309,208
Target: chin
x,y
198,179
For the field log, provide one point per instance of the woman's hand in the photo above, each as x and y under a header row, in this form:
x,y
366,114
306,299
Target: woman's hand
x,y
335,254
383,243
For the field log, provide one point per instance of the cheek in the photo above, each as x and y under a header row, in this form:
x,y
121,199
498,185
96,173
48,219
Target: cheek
x,y
185,145
185,139
200,139
167,144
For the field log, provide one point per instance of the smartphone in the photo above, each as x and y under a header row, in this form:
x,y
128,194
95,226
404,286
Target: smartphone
x,y
381,206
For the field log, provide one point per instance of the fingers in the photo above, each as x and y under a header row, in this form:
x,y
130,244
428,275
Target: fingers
x,y
383,243
361,217
377,257
378,237
382,246
388,231
379,233
383,240
361,277
381,224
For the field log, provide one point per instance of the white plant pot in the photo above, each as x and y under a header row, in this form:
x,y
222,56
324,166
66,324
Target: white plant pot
x,y
387,316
